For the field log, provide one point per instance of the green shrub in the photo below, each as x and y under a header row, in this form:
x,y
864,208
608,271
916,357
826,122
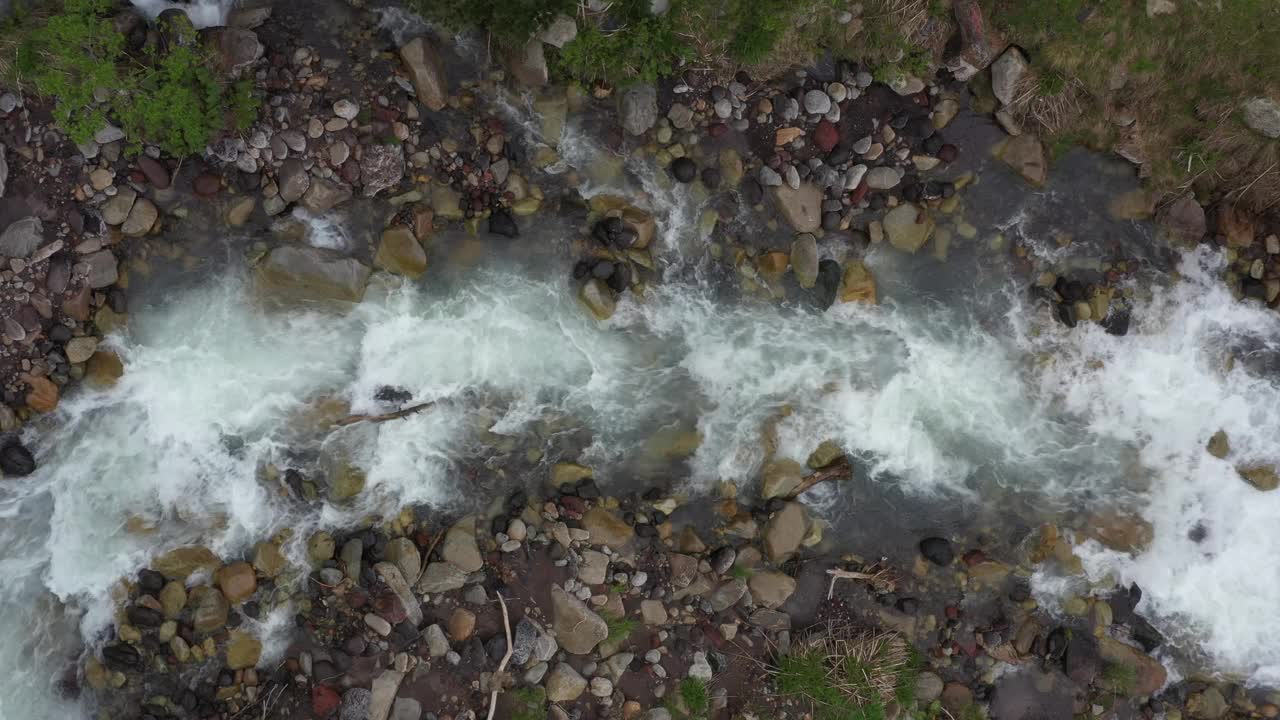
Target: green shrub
x,y
529,704
620,628
694,694
756,26
172,98
642,48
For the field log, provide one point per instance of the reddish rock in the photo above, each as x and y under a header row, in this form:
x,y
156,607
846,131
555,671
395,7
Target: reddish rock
x,y
826,136
859,193
155,172
575,505
390,608
206,185
324,700
974,557
948,153
715,130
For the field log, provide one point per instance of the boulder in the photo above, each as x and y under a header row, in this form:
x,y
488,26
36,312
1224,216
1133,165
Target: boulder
x,y
1151,675
771,589
802,207
578,629
598,298
727,595
237,582
173,598
937,551
293,180
323,195
307,273
858,284
400,252
440,577
529,64
381,167
1182,222
638,109
1262,477
426,73
1025,154
1208,704
1262,114
908,227
785,531
268,560
116,209
1120,532
22,238
211,612
181,563
234,48
1006,72
243,650
405,556
320,547
459,546
564,684
395,580
1236,225
560,31
606,528
780,478
16,460
103,269
804,260
594,568
382,694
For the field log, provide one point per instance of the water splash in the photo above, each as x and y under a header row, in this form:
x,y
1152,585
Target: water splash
x,y
203,13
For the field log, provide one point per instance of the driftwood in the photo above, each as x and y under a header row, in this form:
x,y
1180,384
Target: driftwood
x,y
495,679
398,414
837,470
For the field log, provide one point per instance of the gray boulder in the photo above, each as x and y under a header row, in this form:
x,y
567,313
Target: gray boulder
x,y
307,273
639,109
22,238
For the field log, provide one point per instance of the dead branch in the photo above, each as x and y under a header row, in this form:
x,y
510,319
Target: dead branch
x,y
837,470
502,666
398,414
844,575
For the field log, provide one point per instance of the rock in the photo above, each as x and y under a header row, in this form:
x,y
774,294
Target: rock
x,y
440,577
240,211
1263,115
307,273
528,65
243,650
681,116
684,169
425,72
731,170
1006,72
804,260
653,612
1082,661
638,108
908,227
1219,446
928,688
956,697
700,669
817,102
381,167
461,624
4,171
211,612
785,531
826,136
103,269
1151,675
1262,477
532,643
564,684
400,252
1136,204
43,396
293,180
234,48
598,298
802,207
237,582
80,349
22,238
395,580
100,179
173,598
437,643
501,223
459,546
116,209
577,628
1160,7
268,560
404,555
1025,154
355,704
351,558
108,134
882,178
944,112
937,551
377,624
406,709
1182,221
559,32
771,589
606,528
780,477
181,563
1237,225
320,547
16,460
323,195
1123,533
601,687
594,568
1208,704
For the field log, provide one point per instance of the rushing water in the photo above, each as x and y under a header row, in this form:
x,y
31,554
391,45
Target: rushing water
x,y
957,387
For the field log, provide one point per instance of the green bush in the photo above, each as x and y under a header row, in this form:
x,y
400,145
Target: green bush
x,y
641,48
529,704
755,27
172,98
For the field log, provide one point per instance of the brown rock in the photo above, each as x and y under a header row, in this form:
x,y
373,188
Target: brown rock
x,y
785,531
1236,225
268,560
155,173
606,528
461,624
1025,154
173,598
801,208
1151,674
1182,221
181,563
771,589
578,628
237,582
858,284
1262,477
1124,533
104,368
423,65
43,396
423,221
211,612
400,252
243,650
773,262
956,697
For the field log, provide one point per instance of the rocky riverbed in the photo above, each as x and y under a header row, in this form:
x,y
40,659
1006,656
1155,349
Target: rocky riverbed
x,y
553,578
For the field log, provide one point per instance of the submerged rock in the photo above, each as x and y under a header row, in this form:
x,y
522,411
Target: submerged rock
x,y
908,227
16,460
400,252
937,551
1025,154
307,273
598,298
638,107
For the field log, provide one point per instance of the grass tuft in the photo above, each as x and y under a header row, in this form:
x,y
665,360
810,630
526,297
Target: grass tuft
x,y
620,628
845,673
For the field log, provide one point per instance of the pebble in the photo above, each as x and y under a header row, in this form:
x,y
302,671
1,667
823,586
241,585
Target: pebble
x,y
769,177
377,624
864,79
862,146
346,109
724,108
837,91
601,687
816,102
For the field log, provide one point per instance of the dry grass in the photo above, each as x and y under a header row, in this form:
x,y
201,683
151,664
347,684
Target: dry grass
x,y
838,666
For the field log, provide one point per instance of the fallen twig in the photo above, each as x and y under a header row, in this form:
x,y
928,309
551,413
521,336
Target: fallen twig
x,y
844,575
502,666
836,470
406,412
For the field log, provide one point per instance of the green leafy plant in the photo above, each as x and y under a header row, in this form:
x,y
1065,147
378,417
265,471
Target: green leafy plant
x,y
512,22
620,628
691,701
529,703
72,55
741,573
756,27
643,48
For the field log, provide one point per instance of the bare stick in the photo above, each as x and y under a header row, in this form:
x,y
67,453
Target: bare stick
x,y
837,469
353,419
502,666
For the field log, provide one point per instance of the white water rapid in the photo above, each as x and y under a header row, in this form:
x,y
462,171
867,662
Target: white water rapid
x,y
203,13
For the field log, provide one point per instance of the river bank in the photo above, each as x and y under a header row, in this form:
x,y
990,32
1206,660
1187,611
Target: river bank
x,y
617,331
